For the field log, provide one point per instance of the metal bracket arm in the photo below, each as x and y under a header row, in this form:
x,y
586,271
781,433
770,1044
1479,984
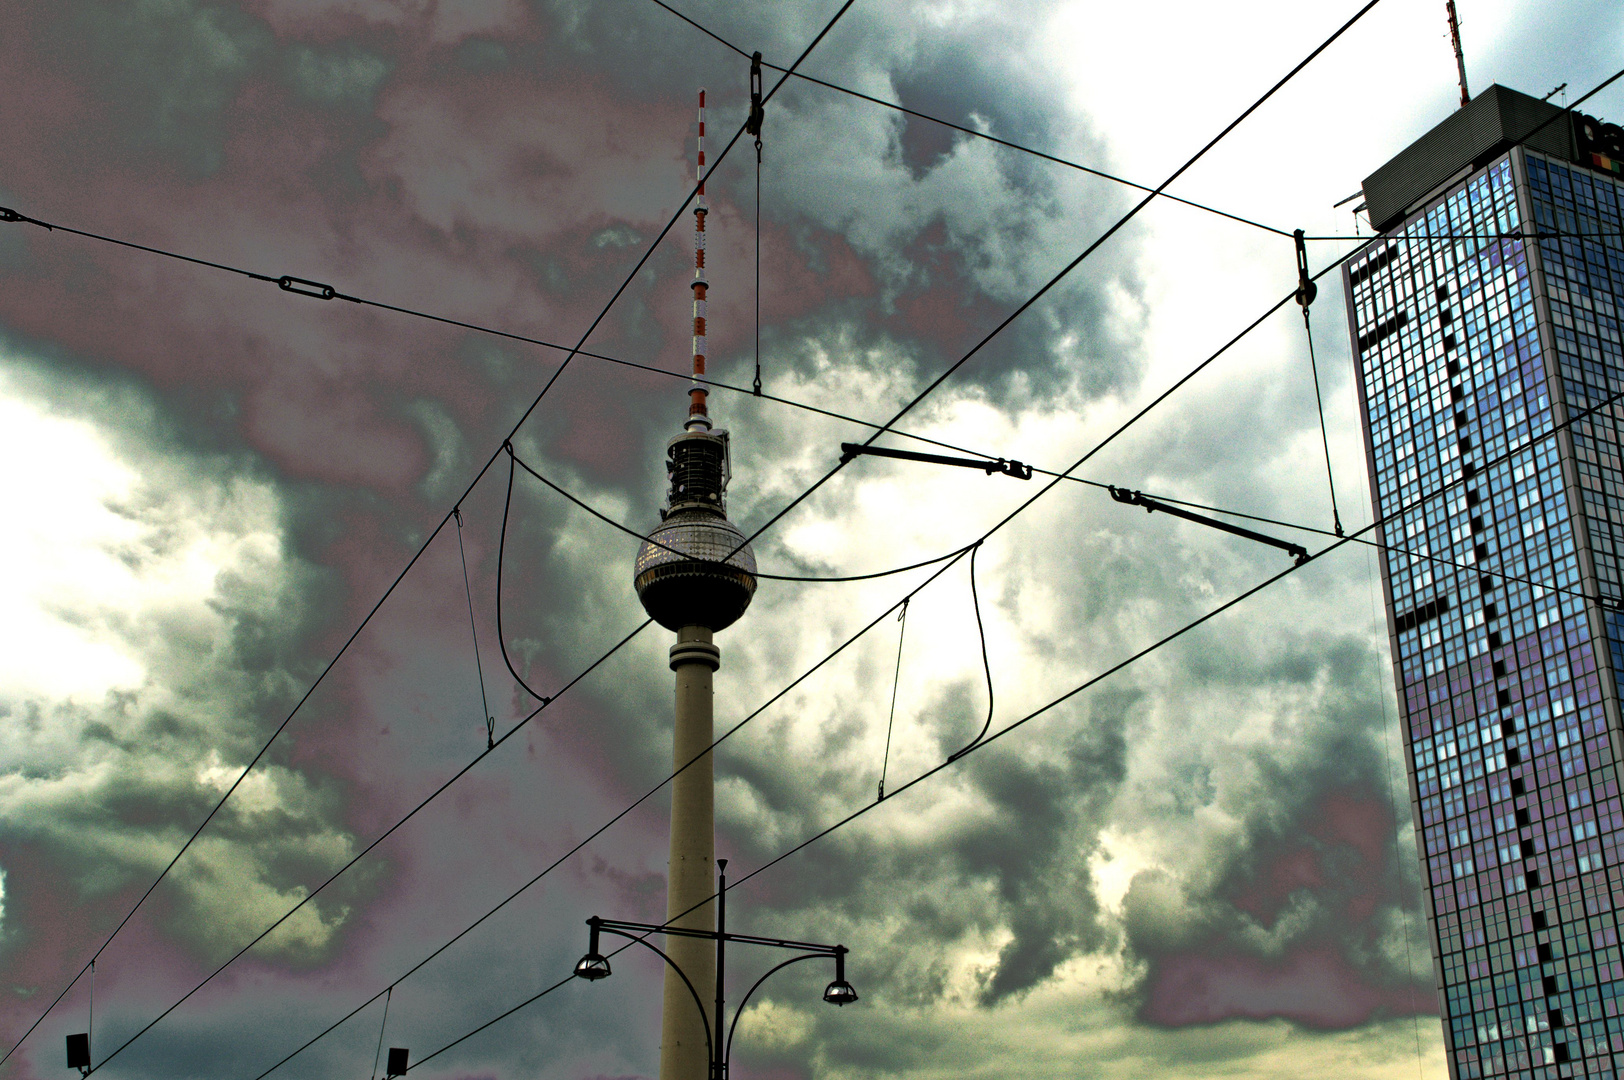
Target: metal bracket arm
x,y
1136,498
1007,466
711,935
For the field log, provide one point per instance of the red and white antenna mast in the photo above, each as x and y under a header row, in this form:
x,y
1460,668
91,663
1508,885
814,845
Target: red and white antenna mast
x,y
698,416
1460,58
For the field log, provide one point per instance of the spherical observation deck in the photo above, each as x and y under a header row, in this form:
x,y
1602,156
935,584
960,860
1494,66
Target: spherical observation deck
x,y
688,572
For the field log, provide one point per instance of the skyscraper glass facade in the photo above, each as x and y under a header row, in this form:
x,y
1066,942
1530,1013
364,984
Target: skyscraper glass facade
x,y
1504,530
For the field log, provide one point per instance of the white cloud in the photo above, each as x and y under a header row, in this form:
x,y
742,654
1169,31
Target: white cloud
x,y
142,665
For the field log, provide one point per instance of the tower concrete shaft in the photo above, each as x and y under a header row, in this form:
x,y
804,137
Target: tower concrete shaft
x,y
691,875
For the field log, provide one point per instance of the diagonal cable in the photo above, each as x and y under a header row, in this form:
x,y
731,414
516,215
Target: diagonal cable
x,y
1337,543
1066,270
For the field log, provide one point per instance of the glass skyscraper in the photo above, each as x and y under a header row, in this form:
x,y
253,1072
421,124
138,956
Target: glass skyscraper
x,y
1485,318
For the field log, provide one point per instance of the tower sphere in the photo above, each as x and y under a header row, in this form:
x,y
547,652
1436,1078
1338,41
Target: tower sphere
x,y
682,578
696,569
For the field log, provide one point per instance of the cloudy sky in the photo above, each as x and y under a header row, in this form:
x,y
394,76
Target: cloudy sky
x,y
1197,867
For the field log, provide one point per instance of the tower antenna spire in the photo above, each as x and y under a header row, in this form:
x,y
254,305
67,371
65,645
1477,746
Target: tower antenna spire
x,y
695,574
698,414
1454,39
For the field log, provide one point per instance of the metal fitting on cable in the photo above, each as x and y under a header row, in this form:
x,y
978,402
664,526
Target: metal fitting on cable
x,y
758,112
1306,289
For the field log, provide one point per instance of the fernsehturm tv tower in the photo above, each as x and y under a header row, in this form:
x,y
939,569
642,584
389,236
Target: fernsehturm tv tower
x,y
695,575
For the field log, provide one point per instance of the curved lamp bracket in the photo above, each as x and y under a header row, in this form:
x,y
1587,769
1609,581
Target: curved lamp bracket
x,y
739,1011
704,1017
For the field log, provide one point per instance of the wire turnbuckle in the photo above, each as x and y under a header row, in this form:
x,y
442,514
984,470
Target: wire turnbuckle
x,y
306,287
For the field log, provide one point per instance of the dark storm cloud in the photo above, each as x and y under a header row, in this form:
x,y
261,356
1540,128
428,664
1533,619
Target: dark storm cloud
x,y
958,232
166,70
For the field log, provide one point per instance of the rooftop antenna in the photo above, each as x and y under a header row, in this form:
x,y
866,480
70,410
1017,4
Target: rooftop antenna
x,y
1460,58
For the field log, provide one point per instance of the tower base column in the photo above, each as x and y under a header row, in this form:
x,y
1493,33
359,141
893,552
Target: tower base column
x,y
692,874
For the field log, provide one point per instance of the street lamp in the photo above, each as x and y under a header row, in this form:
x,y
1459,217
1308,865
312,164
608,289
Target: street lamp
x,y
594,966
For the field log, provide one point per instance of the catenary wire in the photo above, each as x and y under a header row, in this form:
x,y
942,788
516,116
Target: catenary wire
x,y
981,632
1381,545
1339,542
1094,246
1137,416
313,893
763,707
382,1026
1062,476
896,683
629,531
479,666
325,292
1336,544
1201,366
1378,544
1100,485
756,387
1306,291
501,560
1023,721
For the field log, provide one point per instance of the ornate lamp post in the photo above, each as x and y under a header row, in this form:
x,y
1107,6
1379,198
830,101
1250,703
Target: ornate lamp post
x,y
718,1045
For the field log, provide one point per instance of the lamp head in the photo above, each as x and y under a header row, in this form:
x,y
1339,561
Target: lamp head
x,y
592,967
839,992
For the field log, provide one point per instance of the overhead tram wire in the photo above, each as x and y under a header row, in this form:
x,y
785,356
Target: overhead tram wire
x,y
987,136
479,667
631,532
1199,367
1162,397
501,561
1066,270
873,575
1306,291
16,217
1336,543
870,576
1339,542
1143,411
650,793
322,291
810,671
